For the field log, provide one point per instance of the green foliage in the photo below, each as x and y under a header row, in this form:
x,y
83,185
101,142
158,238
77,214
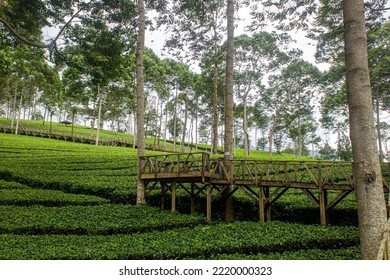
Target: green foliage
x,y
79,131
51,164
327,152
4,185
26,197
200,242
349,253
103,219
41,221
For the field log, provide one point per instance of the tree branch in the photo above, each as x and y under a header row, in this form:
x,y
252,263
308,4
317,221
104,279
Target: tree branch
x,y
38,44
383,9
377,10
23,39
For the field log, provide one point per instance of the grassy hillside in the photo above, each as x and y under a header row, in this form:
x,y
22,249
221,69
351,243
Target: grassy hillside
x,y
65,200
85,131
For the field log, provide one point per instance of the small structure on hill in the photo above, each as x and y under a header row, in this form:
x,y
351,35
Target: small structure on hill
x,y
66,122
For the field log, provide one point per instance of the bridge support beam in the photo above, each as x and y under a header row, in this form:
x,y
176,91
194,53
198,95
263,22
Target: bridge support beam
x,y
323,198
173,199
323,201
264,204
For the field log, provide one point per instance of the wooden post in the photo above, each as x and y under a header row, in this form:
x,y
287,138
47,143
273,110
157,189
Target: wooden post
x,y
209,189
323,202
173,206
322,197
261,205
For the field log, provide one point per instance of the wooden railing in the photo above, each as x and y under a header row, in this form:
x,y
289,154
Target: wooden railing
x,y
317,173
180,165
297,174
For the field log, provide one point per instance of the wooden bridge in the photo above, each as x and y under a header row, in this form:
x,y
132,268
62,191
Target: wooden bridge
x,y
263,181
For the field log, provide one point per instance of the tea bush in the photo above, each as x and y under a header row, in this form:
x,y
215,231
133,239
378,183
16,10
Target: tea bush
x,y
63,200
201,242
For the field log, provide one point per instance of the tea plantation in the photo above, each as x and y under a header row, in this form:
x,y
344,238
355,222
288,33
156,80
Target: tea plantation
x,y
64,200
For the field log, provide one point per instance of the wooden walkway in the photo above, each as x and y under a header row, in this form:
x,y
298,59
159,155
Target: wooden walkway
x,y
263,181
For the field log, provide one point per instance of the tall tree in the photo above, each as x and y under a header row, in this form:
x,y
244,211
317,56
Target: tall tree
x,y
379,61
366,167
140,97
228,139
254,56
197,25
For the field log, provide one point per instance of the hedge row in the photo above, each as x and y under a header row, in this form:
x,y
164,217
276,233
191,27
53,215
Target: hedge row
x,y
26,197
12,185
109,172
201,242
92,220
348,253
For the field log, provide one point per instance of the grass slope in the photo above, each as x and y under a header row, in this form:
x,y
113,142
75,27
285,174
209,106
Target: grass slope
x,y
108,135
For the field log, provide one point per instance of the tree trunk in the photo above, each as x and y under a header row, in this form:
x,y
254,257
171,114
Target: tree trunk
x,y
379,128
156,132
160,123
30,108
228,142
300,144
215,102
275,122
135,131
51,122
99,115
165,126
245,128
191,136
93,119
184,130
73,118
19,112
196,127
44,117
35,107
175,121
366,167
271,133
129,124
14,109
140,97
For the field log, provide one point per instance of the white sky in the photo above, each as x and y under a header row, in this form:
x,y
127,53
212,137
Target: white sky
x,y
155,40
